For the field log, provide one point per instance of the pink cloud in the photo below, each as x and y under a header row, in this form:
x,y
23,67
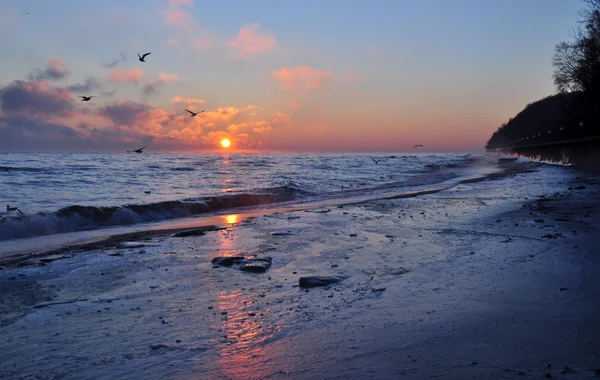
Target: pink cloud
x,y
188,101
134,44
262,129
200,43
281,118
163,78
180,19
251,40
57,66
223,113
261,126
173,42
167,77
304,76
131,76
55,69
37,112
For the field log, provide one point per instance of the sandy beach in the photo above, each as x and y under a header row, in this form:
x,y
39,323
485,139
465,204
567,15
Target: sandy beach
x,y
496,279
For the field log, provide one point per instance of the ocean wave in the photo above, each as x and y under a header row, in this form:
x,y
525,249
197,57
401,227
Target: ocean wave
x,y
80,218
442,166
22,169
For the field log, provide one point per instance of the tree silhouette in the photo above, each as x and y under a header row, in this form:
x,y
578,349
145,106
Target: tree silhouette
x,y
573,112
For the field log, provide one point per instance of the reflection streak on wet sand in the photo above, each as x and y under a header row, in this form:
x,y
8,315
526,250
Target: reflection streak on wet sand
x,y
242,337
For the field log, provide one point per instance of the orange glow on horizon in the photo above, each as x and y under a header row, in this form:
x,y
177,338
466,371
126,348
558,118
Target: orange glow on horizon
x,y
225,143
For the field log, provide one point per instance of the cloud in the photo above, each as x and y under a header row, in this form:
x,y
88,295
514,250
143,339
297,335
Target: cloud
x,y
152,87
261,126
122,58
130,76
173,42
281,118
179,18
30,132
251,40
54,70
124,112
35,97
90,85
250,109
222,113
301,76
262,129
36,115
200,43
188,101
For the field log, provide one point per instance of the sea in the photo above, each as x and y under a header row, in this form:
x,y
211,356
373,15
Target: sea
x,y
65,193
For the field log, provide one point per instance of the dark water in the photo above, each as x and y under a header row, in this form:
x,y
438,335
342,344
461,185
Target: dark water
x,y
60,193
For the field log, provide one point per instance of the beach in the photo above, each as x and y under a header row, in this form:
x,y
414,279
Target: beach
x,y
486,279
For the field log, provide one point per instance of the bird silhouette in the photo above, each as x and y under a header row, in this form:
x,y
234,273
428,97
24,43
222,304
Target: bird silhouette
x,y
137,150
418,145
87,98
376,161
9,209
141,58
194,113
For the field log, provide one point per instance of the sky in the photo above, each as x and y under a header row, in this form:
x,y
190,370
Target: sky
x,y
271,75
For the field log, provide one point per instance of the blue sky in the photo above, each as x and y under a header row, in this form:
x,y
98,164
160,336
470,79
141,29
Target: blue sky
x,y
399,70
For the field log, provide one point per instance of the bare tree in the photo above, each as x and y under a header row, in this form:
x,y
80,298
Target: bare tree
x,y
577,63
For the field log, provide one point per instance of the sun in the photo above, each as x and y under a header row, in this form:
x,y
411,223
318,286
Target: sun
x,y
225,143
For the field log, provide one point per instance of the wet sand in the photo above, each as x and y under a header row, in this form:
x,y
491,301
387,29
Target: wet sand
x,y
488,280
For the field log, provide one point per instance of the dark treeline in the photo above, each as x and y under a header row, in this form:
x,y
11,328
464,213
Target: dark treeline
x,y
573,112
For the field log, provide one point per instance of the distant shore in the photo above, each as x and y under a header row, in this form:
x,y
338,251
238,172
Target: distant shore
x,y
492,279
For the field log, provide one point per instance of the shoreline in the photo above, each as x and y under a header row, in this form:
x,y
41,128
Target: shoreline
x,y
10,255
493,279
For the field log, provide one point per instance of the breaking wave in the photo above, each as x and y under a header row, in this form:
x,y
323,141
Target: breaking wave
x,y
80,218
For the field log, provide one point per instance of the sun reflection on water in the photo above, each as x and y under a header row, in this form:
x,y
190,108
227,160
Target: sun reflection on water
x,y
245,334
231,219
244,322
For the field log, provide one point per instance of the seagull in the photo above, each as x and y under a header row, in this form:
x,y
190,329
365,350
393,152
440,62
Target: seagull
x,y
137,150
87,98
376,161
194,113
141,58
417,146
9,209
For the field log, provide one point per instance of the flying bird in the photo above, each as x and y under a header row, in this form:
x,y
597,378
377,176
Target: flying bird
x,y
87,98
137,150
194,113
418,145
141,58
376,161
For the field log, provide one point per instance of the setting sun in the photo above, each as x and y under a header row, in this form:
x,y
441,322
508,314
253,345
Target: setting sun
x,y
225,143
